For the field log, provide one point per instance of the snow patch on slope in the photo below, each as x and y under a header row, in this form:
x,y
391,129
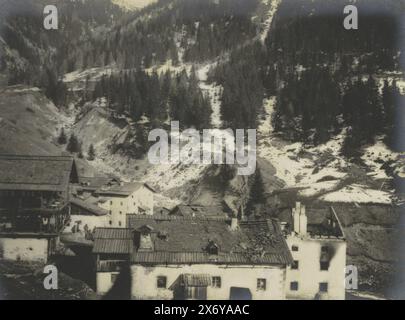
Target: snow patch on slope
x,y
358,194
269,17
133,4
294,164
376,155
213,91
76,80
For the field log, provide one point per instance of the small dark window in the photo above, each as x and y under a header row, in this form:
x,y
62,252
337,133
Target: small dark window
x,y
119,223
294,248
324,265
111,202
113,277
122,203
110,222
295,265
216,282
261,284
325,249
323,287
294,286
161,282
212,248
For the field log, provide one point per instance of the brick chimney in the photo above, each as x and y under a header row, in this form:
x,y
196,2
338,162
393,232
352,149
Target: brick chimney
x,y
300,219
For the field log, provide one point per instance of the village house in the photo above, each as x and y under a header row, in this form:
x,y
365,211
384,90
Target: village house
x,y
86,214
175,257
121,199
34,204
318,246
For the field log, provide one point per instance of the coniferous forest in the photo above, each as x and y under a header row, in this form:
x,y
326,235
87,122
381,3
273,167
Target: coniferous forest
x,y
325,78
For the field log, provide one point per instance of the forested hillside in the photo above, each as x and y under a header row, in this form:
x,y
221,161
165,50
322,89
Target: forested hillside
x,y
39,57
326,78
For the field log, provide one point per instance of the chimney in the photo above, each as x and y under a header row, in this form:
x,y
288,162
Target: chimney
x,y
145,239
234,224
300,219
296,217
303,221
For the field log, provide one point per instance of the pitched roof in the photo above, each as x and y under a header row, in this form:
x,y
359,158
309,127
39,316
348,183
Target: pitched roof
x,y
186,241
113,241
318,221
89,205
94,183
198,211
37,173
123,190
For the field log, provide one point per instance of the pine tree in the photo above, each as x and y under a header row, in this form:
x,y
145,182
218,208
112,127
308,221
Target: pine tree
x,y
91,153
73,145
257,195
62,139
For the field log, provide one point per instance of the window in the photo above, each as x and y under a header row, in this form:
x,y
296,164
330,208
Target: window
x,y
324,265
294,248
161,282
294,286
110,223
325,258
295,265
119,223
261,284
212,248
114,277
111,202
323,287
120,212
122,203
216,282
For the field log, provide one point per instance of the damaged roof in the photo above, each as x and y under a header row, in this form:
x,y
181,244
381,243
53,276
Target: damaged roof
x,y
198,211
319,219
124,190
37,173
185,240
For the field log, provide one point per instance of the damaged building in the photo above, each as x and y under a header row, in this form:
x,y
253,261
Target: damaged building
x,y
318,246
175,257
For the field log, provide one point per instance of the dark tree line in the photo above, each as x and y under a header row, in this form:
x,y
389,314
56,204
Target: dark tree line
x,y
176,97
320,73
244,86
40,58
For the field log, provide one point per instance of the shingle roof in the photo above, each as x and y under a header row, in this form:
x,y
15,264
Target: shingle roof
x,y
113,241
199,211
259,242
124,190
88,206
37,173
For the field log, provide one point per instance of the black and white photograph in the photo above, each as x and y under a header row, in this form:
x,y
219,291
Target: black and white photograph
x,y
213,150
